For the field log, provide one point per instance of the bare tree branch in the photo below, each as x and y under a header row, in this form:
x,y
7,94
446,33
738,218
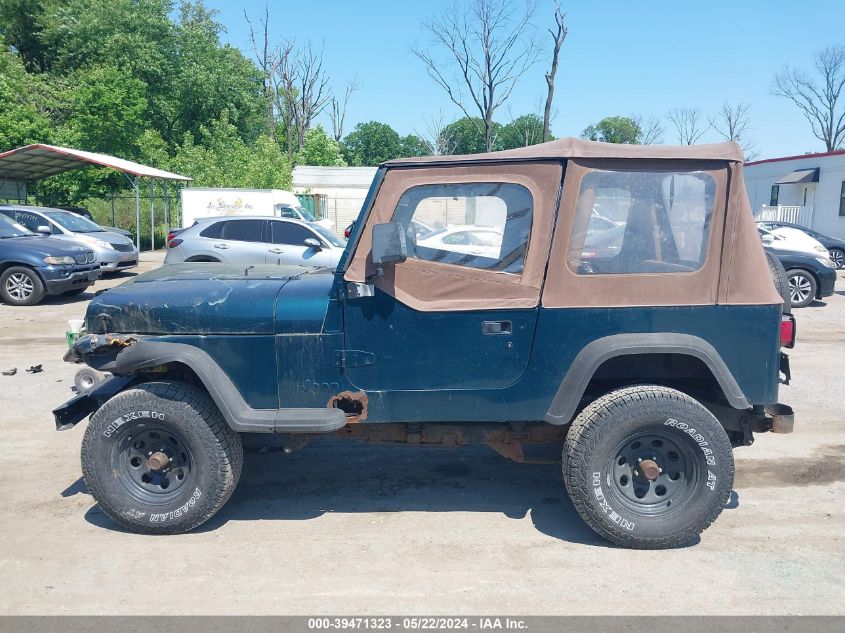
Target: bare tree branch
x,y
338,113
558,34
651,131
488,49
267,57
438,136
302,88
733,123
688,124
818,98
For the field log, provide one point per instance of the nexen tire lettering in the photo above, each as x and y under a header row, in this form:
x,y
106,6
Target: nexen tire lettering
x,y
127,417
605,506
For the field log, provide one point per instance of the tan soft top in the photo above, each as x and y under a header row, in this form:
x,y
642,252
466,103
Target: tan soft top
x,y
578,148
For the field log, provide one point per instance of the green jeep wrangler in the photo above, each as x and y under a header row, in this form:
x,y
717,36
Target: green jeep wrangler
x,y
614,298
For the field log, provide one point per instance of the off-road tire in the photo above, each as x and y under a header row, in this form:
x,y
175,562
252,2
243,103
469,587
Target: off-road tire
x,y
778,273
35,287
618,419
798,275
181,415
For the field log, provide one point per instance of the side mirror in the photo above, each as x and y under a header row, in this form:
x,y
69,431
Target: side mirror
x,y
767,238
46,230
389,243
314,243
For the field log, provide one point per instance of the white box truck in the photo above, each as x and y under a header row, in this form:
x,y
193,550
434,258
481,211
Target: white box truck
x,y
201,202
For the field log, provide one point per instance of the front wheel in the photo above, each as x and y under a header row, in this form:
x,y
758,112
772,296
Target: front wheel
x,y
648,467
160,459
21,286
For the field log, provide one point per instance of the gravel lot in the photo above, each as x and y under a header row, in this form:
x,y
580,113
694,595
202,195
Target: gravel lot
x,y
355,529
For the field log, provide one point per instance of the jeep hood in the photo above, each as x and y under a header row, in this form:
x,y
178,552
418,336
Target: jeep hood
x,y
201,298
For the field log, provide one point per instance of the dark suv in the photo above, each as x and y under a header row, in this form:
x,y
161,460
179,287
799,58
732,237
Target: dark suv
x,y
32,267
648,359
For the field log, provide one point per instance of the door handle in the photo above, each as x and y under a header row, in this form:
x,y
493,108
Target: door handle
x,y
223,246
276,251
496,327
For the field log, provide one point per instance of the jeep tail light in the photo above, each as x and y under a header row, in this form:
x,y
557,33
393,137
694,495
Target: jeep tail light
x,y
173,243
787,331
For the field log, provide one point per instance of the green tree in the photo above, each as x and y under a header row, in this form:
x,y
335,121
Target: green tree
x,y
319,149
413,145
615,129
107,112
222,158
522,131
371,143
466,136
21,122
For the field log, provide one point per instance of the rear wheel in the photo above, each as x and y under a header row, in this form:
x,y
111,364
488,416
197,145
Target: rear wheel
x,y
802,287
160,459
648,467
21,286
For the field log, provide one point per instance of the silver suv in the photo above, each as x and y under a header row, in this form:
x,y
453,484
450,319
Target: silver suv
x,y
255,240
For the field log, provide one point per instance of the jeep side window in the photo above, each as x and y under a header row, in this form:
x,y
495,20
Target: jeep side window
x,y
478,225
642,222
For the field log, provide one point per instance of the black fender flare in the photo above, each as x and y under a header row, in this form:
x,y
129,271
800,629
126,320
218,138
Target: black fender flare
x,y
238,414
590,358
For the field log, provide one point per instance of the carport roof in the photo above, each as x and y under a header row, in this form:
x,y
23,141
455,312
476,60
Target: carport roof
x,y
40,161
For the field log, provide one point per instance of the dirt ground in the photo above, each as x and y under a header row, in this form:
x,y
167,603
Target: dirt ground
x,y
354,529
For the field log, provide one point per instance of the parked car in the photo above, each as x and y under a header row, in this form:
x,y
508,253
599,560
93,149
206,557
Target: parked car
x,y
834,245
810,276
114,252
648,369
85,213
792,243
480,241
33,266
421,230
255,240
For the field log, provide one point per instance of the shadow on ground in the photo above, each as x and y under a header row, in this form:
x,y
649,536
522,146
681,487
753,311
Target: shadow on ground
x,y
337,476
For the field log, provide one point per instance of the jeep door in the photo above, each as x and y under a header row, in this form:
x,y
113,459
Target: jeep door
x,y
445,319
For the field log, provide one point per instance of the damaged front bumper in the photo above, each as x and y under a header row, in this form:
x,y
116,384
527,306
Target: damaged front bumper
x,y
76,409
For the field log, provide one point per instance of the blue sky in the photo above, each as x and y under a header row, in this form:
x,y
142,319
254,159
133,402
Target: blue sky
x,y
620,57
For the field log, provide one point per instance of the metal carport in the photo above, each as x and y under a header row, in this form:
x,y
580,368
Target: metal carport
x,y
40,160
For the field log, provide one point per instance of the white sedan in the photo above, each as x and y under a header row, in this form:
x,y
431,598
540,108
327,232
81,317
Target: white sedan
x,y
471,240
785,239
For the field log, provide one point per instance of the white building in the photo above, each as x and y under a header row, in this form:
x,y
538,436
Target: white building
x,y
344,187
808,190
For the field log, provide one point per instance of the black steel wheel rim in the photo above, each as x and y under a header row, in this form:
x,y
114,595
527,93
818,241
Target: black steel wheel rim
x,y
161,481
674,482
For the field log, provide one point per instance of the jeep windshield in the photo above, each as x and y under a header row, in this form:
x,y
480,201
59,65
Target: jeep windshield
x,y
74,223
10,228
